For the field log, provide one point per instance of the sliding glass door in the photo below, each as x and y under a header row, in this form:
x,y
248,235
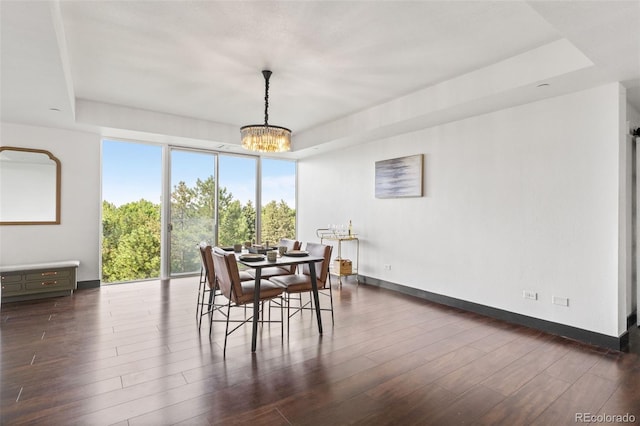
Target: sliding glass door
x,y
193,208
237,199
196,215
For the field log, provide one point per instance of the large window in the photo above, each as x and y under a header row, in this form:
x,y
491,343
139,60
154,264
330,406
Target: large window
x,y
278,218
131,189
237,200
212,197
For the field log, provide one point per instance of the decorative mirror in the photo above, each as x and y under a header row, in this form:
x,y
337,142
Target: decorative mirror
x,y
29,187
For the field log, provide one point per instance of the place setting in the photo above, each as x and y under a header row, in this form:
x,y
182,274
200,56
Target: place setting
x,y
296,253
252,257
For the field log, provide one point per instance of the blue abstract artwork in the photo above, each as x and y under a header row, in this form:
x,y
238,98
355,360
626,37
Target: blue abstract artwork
x,y
399,177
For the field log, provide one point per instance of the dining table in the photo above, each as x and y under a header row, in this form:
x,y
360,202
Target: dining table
x,y
284,260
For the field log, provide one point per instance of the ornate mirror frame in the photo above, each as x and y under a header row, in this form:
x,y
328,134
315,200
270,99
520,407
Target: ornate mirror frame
x,y
6,196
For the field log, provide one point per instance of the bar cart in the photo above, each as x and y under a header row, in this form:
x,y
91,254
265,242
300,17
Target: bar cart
x,y
341,267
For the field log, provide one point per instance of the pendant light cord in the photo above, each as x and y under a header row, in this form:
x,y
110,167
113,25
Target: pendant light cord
x,y
266,74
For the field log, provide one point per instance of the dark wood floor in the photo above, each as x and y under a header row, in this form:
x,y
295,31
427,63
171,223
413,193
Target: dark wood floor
x,y
131,354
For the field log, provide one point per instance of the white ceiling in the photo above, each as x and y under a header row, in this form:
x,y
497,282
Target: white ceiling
x,y
188,72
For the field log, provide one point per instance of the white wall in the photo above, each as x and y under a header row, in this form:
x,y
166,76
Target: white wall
x,y
520,199
633,122
636,283
633,117
625,212
78,235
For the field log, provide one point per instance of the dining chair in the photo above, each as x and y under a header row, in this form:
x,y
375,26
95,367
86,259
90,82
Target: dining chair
x,y
244,274
208,284
240,293
301,283
273,271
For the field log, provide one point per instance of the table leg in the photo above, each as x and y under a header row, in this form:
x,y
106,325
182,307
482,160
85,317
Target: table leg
x,y
316,296
256,309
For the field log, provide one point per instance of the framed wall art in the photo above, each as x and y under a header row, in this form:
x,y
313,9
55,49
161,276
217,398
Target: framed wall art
x,y
399,177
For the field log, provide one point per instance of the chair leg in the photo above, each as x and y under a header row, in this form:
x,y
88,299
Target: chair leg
x,y
199,309
209,307
288,313
199,306
212,304
226,332
331,300
211,322
282,318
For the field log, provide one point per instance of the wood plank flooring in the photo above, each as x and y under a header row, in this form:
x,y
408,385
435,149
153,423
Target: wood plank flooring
x,y
131,354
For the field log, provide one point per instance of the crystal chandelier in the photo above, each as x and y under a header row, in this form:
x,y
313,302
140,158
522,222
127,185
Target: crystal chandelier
x,y
263,137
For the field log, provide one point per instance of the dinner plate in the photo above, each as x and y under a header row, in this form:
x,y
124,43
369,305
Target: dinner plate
x,y
296,253
252,257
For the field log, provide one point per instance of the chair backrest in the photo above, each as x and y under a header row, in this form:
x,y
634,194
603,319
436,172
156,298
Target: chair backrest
x,y
207,264
227,274
322,268
291,245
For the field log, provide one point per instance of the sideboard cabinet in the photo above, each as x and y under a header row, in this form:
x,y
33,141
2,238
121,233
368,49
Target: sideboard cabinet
x,y
21,282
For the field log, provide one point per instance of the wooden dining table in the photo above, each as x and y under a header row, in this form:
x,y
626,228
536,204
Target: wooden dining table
x,y
283,260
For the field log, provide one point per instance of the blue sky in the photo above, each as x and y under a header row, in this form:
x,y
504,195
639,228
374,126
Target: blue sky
x,y
133,171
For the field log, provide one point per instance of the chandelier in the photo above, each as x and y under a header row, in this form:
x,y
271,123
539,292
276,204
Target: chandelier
x,y
263,137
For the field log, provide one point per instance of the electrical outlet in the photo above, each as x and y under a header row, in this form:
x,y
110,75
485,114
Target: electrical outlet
x,y
532,295
561,301
387,267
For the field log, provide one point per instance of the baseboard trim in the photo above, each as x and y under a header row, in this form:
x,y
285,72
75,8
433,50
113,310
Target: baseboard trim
x,y
616,343
82,285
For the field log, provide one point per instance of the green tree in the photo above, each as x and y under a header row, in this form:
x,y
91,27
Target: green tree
x,y
193,221
278,221
249,215
131,241
110,238
232,227
236,223
182,211
205,199
131,232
